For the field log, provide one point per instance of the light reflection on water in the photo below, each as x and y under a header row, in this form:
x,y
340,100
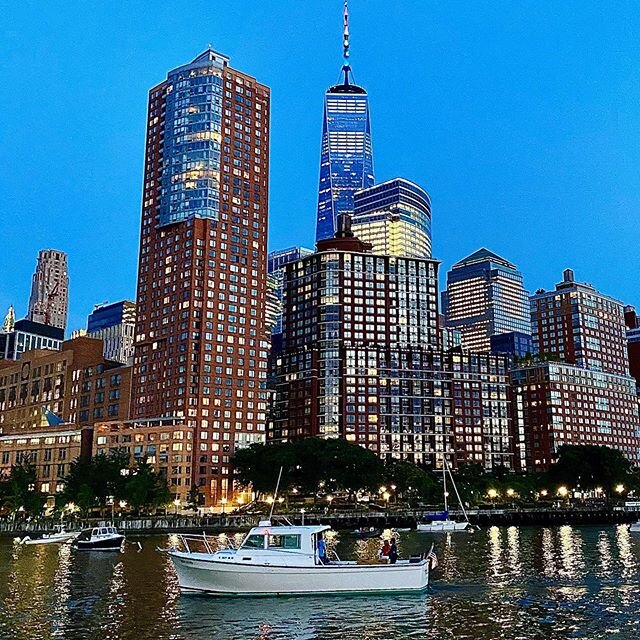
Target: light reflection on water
x,y
513,583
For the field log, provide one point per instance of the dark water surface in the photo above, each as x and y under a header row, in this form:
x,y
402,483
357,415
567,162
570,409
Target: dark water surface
x,y
513,583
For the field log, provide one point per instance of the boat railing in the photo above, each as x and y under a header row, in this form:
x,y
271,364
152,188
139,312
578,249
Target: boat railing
x,y
202,540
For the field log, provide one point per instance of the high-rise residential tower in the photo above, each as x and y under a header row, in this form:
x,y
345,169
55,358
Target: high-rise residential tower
x,y
395,218
580,326
49,300
346,160
200,354
578,390
485,297
361,360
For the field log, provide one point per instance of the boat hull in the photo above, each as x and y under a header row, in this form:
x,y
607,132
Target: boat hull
x,y
199,573
53,539
111,544
443,526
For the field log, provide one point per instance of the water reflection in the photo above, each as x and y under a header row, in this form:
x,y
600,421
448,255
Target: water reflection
x,y
526,583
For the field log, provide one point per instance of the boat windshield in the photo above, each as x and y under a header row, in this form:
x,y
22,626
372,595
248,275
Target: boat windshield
x,y
286,541
254,541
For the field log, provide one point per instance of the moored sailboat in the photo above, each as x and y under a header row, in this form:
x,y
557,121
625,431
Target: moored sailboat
x,y
440,522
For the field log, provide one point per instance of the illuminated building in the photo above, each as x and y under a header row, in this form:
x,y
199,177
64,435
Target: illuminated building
x,y
395,218
580,326
346,159
200,352
485,297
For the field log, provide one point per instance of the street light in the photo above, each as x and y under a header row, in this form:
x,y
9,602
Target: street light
x,y
492,493
563,492
383,489
619,488
544,493
123,504
269,499
223,502
176,503
510,493
329,500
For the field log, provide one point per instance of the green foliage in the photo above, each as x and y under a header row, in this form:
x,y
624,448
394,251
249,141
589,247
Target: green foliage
x,y
589,466
309,464
145,488
20,492
195,499
92,481
411,481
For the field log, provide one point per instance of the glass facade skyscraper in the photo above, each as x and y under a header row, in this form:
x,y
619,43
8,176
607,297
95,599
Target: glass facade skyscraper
x,y
485,297
193,132
395,217
346,161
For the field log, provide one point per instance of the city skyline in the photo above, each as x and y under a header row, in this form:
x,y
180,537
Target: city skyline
x,y
585,160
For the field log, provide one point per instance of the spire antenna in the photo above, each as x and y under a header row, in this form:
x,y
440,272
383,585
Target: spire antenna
x,y
346,67
345,51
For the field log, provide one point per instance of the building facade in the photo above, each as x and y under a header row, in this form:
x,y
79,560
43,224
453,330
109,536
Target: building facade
x,y
200,353
580,326
50,449
346,156
513,343
75,384
115,325
277,261
485,296
26,335
361,360
557,403
49,300
395,218
632,322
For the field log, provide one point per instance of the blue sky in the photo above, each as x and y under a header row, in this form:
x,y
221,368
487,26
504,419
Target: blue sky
x,y
521,119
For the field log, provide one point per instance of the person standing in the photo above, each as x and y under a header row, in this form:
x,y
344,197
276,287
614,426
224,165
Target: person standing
x,y
322,550
393,552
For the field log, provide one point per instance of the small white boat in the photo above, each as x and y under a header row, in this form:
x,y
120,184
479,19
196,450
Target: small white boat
x,y
440,522
103,538
284,560
634,527
59,537
442,526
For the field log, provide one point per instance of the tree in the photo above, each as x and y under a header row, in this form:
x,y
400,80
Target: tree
x,y
195,499
145,488
590,467
411,481
20,491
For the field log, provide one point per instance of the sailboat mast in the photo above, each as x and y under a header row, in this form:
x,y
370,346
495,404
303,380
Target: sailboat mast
x,y
444,481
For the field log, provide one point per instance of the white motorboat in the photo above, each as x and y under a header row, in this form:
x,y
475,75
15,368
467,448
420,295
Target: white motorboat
x,y
103,538
634,527
440,522
60,536
284,560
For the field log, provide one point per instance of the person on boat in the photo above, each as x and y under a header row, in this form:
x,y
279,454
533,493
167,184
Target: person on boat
x,y
322,550
384,552
393,552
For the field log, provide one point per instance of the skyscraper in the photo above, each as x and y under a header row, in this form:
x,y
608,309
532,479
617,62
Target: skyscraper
x,y
581,326
361,361
200,354
395,218
49,300
346,160
485,297
276,264
579,391
115,325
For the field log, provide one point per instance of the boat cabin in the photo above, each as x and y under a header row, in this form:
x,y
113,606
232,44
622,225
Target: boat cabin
x,y
280,544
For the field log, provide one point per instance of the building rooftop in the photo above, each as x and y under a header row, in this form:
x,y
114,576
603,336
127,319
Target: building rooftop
x,y
483,255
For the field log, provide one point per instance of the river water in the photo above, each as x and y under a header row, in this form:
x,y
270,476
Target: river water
x,y
502,582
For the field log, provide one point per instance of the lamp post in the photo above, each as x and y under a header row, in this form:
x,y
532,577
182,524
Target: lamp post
x,y
176,504
223,502
493,494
